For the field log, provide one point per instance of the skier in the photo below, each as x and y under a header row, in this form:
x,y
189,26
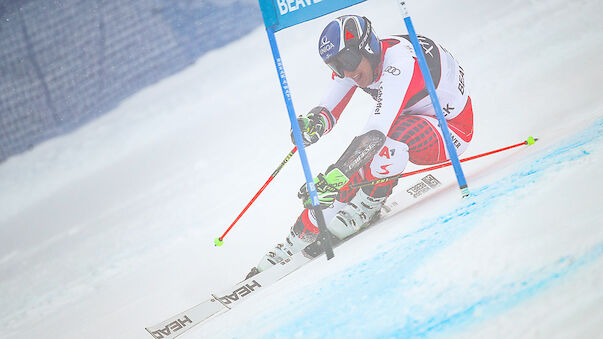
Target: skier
x,y
402,127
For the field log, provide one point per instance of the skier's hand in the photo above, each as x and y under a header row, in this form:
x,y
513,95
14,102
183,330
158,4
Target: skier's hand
x,y
327,188
312,126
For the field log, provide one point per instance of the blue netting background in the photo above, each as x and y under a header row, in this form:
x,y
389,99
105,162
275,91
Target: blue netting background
x,y
65,62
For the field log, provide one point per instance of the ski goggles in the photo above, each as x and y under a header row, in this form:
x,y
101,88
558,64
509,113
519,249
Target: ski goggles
x,y
346,59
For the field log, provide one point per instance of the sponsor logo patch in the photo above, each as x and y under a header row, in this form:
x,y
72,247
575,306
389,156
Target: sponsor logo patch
x,y
392,70
426,184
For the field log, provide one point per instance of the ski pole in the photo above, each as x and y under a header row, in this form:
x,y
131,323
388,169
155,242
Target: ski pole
x,y
529,141
220,240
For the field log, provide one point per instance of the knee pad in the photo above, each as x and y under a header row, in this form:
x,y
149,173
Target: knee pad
x,y
389,161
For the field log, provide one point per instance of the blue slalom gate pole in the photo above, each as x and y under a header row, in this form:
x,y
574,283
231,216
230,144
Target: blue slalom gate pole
x,y
454,158
324,236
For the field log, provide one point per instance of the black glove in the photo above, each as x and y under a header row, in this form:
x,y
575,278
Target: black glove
x,y
312,126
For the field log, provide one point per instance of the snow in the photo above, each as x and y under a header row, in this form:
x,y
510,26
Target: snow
x,y
110,229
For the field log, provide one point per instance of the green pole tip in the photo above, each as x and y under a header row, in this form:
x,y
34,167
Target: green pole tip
x,y
218,242
531,141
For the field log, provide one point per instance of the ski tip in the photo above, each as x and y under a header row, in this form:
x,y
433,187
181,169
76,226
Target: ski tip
x,y
218,242
531,140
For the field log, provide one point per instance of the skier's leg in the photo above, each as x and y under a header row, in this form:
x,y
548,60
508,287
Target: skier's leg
x,y
367,201
414,138
303,233
424,137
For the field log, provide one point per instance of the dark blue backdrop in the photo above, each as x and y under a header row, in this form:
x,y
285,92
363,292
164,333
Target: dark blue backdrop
x,y
65,62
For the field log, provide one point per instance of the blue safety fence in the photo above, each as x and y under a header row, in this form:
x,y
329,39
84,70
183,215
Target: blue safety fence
x,y
65,62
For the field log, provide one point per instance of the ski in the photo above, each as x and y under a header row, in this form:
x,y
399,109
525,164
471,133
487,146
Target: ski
x,y
219,303
225,300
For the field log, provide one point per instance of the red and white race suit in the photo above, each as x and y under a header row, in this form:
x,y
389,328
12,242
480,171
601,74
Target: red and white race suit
x,y
404,113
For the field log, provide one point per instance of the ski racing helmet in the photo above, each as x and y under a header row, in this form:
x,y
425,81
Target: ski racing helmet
x,y
345,40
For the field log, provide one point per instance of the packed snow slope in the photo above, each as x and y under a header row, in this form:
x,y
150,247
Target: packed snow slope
x,y
109,229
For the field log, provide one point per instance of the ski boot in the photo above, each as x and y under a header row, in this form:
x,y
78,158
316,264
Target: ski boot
x,y
279,253
300,237
358,213
293,244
